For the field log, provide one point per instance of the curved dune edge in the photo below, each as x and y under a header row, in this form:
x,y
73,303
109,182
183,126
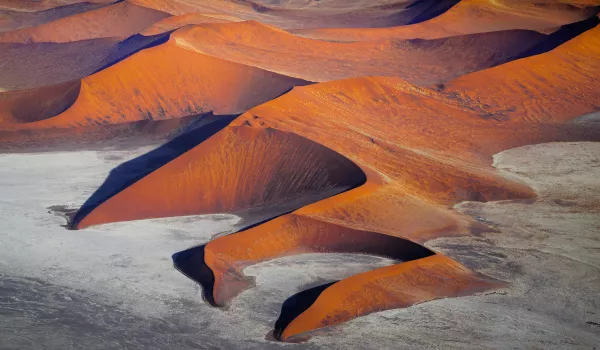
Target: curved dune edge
x,y
27,106
473,16
35,6
395,286
417,167
239,60
421,62
290,14
19,18
181,86
119,20
312,173
176,22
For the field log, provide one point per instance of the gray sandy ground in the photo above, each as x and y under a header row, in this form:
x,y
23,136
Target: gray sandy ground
x,y
114,287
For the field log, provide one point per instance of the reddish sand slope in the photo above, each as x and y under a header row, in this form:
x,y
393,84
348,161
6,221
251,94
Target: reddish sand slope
x,y
249,62
176,22
120,20
27,106
422,150
475,16
180,85
13,19
41,5
417,61
312,14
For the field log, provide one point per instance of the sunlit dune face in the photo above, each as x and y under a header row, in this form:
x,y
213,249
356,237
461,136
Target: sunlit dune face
x,y
263,168
350,127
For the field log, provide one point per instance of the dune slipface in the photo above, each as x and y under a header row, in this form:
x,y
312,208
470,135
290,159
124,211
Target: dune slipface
x,y
226,68
417,61
474,16
421,151
119,20
309,14
181,85
15,17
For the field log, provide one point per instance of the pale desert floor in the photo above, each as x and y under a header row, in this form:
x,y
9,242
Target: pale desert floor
x,y
114,286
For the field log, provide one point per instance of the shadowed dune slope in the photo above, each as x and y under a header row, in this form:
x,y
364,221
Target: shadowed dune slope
x,y
176,22
26,66
270,168
17,19
422,151
475,16
312,14
417,61
42,5
181,85
120,20
26,106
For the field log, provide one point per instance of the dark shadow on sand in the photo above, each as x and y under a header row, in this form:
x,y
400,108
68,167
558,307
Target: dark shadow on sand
x,y
295,305
130,172
438,8
561,36
191,263
134,44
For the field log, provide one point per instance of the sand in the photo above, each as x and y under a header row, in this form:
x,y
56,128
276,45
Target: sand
x,y
114,286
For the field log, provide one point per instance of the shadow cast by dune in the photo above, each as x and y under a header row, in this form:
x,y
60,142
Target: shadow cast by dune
x,y
399,249
295,305
133,45
191,263
438,8
129,172
561,36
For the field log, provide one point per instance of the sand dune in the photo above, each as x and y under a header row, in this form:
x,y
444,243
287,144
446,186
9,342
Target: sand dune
x,y
475,16
119,20
176,22
361,125
414,171
238,54
13,19
41,5
419,62
28,106
312,14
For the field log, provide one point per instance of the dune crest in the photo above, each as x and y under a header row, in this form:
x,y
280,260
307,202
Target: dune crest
x,y
474,16
422,150
119,20
313,14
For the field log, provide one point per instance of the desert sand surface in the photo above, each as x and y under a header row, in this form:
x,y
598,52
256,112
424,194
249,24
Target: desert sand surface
x,y
299,174
114,286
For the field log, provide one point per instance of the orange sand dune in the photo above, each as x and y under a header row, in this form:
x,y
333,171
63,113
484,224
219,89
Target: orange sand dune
x,y
120,20
417,61
245,60
41,5
13,19
175,22
181,84
27,66
422,150
312,14
27,106
474,16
